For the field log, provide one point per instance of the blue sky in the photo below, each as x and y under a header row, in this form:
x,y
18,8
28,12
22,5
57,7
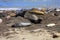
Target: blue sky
x,y
29,3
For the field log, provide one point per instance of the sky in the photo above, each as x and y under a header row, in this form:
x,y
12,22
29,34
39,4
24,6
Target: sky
x,y
29,3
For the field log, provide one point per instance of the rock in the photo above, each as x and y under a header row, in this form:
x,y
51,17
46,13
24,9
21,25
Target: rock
x,y
20,13
12,14
2,15
56,14
36,21
25,24
21,24
32,17
8,17
1,20
51,25
55,36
